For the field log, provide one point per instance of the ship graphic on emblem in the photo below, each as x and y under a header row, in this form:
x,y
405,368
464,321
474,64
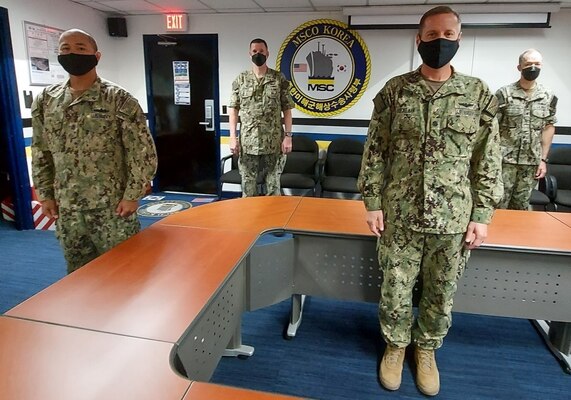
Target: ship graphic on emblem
x,y
320,66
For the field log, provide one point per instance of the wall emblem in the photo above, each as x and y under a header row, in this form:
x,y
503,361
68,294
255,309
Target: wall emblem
x,y
328,65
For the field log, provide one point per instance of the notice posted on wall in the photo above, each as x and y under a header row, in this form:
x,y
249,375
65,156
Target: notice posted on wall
x,y
42,44
181,80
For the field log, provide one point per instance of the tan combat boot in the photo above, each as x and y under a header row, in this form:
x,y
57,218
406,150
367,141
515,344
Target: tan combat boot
x,y
427,377
390,370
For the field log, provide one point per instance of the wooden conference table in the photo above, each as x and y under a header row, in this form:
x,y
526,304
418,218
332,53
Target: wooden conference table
x,y
174,294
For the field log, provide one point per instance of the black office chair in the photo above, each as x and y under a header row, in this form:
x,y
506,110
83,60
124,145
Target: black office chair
x,y
559,167
301,171
539,200
232,176
341,169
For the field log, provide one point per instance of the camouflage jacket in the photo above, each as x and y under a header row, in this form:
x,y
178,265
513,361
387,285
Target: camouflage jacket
x,y
522,120
260,104
432,161
93,151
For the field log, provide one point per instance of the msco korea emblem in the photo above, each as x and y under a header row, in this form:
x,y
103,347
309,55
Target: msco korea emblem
x,y
328,65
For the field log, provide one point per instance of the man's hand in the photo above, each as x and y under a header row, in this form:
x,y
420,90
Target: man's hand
x,y
475,235
234,145
126,208
286,145
50,208
541,170
375,222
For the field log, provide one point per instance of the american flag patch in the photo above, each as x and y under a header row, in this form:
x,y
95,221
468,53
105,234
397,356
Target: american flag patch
x,y
299,67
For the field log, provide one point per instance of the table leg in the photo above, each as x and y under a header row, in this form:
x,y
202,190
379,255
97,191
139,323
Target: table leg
x,y
557,335
235,348
297,301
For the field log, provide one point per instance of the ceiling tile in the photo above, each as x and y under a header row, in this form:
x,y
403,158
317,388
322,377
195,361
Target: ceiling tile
x,y
132,5
181,5
338,3
289,9
284,4
224,5
101,7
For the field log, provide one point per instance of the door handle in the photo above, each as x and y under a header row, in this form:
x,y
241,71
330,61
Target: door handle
x,y
208,115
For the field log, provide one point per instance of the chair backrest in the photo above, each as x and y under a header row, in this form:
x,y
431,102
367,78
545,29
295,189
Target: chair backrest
x,y
559,165
303,157
344,158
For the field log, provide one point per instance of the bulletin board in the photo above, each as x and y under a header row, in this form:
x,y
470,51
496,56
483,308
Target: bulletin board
x,y
42,47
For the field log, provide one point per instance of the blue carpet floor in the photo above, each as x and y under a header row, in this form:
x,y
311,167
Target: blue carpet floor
x,y
336,352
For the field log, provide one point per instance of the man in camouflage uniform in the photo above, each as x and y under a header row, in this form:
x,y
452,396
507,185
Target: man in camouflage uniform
x,y
259,97
526,116
92,155
430,178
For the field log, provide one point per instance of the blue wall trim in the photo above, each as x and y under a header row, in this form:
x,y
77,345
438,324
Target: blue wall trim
x,y
11,125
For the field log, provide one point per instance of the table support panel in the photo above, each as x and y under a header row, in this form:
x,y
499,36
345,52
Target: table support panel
x,y
199,350
270,273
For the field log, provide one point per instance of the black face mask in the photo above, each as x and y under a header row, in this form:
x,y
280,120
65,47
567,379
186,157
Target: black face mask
x,y
438,52
530,73
259,59
77,64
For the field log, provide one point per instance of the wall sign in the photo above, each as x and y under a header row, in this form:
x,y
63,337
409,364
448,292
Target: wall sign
x,y
42,45
176,22
328,65
181,79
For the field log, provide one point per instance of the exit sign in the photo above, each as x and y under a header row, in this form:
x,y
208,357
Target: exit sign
x,y
177,22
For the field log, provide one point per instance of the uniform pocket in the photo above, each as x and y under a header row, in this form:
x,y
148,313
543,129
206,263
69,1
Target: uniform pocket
x,y
538,116
540,111
246,92
406,120
460,130
514,110
100,132
53,134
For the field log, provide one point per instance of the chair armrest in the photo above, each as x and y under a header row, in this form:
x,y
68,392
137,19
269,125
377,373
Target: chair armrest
x,y
223,162
548,185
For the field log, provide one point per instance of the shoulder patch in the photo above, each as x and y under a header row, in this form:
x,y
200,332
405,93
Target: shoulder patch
x,y
491,109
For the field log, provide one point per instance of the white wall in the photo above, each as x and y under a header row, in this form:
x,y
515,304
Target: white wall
x,y
489,54
60,14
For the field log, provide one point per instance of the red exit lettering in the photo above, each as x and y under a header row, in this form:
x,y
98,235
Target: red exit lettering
x,y
176,22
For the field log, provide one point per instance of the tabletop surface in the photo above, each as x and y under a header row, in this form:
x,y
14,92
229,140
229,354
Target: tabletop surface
x,y
563,217
256,214
44,361
536,230
209,391
151,286
346,217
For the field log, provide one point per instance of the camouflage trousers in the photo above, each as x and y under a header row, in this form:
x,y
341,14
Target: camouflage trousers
x,y
438,261
85,235
266,167
519,180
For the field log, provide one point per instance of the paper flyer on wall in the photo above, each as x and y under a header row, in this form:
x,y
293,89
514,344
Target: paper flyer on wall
x,y
42,44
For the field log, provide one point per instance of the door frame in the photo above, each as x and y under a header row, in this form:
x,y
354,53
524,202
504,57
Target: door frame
x,y
11,120
213,39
